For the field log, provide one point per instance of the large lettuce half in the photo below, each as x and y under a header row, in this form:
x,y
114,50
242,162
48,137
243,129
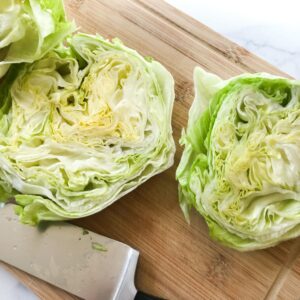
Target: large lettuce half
x,y
240,167
29,29
82,127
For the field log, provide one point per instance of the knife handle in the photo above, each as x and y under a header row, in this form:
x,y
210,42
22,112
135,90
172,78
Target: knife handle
x,y
143,296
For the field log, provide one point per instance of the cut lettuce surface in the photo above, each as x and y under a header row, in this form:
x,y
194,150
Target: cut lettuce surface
x,y
240,167
29,29
81,127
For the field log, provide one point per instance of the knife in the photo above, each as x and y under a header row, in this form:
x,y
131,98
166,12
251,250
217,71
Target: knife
x,y
79,261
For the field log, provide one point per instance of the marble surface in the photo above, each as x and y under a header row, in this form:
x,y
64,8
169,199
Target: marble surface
x,y
270,29
12,289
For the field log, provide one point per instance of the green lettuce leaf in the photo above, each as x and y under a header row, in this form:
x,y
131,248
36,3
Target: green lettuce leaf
x,y
240,166
29,29
84,125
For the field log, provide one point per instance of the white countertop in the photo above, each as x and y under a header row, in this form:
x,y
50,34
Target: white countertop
x,y
270,29
12,289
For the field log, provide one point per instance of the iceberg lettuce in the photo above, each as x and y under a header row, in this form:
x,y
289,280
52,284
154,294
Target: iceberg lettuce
x,y
29,29
240,167
83,126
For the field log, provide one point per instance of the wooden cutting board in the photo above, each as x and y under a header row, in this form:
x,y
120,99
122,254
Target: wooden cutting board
x,y
178,261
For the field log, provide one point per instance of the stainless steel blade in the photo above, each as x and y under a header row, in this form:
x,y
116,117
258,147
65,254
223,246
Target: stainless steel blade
x,y
81,262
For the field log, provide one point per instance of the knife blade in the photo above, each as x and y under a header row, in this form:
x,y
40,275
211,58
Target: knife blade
x,y
79,261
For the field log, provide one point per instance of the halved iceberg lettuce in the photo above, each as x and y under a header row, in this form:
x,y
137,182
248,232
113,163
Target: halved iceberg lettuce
x,y
240,167
82,127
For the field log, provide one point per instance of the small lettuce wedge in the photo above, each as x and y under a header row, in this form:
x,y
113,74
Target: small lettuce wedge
x,y
29,29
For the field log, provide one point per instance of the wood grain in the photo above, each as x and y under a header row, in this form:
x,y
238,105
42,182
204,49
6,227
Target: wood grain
x,y
178,261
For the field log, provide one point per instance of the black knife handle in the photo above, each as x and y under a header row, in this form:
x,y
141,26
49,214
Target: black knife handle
x,y
143,296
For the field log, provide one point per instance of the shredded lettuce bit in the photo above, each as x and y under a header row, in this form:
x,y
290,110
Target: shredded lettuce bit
x,y
99,247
